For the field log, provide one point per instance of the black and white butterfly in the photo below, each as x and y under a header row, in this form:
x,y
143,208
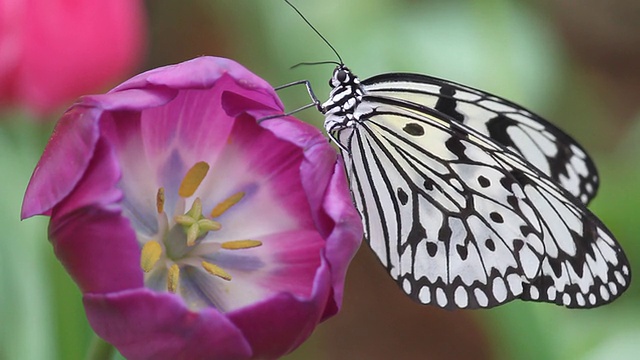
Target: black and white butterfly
x,y
467,199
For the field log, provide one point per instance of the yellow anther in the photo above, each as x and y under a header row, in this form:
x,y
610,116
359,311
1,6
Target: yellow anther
x,y
173,278
160,200
151,252
241,244
226,204
193,178
216,270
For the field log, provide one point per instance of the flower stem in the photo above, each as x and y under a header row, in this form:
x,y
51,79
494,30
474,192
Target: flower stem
x,y
99,349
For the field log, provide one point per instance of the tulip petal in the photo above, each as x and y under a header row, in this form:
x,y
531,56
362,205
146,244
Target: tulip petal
x,y
169,329
65,159
290,319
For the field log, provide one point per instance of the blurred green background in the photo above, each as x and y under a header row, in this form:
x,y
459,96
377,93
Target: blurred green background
x,y
575,63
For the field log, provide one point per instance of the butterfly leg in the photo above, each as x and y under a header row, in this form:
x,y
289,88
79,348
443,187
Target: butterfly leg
x,y
316,103
312,95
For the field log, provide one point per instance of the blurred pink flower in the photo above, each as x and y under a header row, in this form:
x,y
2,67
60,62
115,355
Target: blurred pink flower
x,y
52,51
244,230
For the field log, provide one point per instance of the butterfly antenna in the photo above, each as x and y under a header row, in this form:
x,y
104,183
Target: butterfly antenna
x,y
316,63
315,30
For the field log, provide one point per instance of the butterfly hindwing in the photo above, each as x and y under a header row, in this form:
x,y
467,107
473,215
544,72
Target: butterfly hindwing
x,y
583,266
539,142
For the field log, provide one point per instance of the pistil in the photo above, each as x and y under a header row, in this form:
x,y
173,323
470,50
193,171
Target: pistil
x,y
195,224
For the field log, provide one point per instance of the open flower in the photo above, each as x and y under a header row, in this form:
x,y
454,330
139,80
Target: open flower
x,y
193,230
52,51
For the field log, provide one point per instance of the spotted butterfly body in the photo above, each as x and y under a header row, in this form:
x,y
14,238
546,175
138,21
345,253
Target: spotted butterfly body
x,y
469,200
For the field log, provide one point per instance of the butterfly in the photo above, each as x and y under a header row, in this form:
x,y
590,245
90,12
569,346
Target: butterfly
x,y
467,199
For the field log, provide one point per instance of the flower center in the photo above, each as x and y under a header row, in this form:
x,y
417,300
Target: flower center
x,y
184,241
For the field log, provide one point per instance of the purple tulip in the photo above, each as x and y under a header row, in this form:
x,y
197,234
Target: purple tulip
x,y
193,231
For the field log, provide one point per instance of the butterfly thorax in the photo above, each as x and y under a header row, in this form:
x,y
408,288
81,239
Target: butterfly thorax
x,y
345,96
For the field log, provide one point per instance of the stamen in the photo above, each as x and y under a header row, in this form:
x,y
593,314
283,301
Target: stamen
x,y
173,278
241,244
160,200
151,252
193,178
216,270
226,204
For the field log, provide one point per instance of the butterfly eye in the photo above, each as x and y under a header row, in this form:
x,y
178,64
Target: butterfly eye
x,y
341,76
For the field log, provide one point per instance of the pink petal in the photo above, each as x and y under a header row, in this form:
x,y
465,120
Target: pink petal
x,y
345,237
290,319
98,248
64,161
89,235
203,73
146,325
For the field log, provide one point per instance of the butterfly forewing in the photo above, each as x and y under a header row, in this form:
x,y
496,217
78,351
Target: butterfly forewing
x,y
459,237
461,217
539,142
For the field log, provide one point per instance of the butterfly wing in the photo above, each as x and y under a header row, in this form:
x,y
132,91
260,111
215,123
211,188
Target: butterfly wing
x,y
539,142
460,222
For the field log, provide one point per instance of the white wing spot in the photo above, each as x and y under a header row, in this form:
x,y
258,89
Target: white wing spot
x,y
551,294
613,289
515,284
499,290
425,295
533,293
589,187
580,299
481,297
604,293
460,297
566,299
441,297
406,286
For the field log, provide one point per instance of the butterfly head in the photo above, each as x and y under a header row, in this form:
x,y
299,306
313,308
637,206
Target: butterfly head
x,y
342,76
